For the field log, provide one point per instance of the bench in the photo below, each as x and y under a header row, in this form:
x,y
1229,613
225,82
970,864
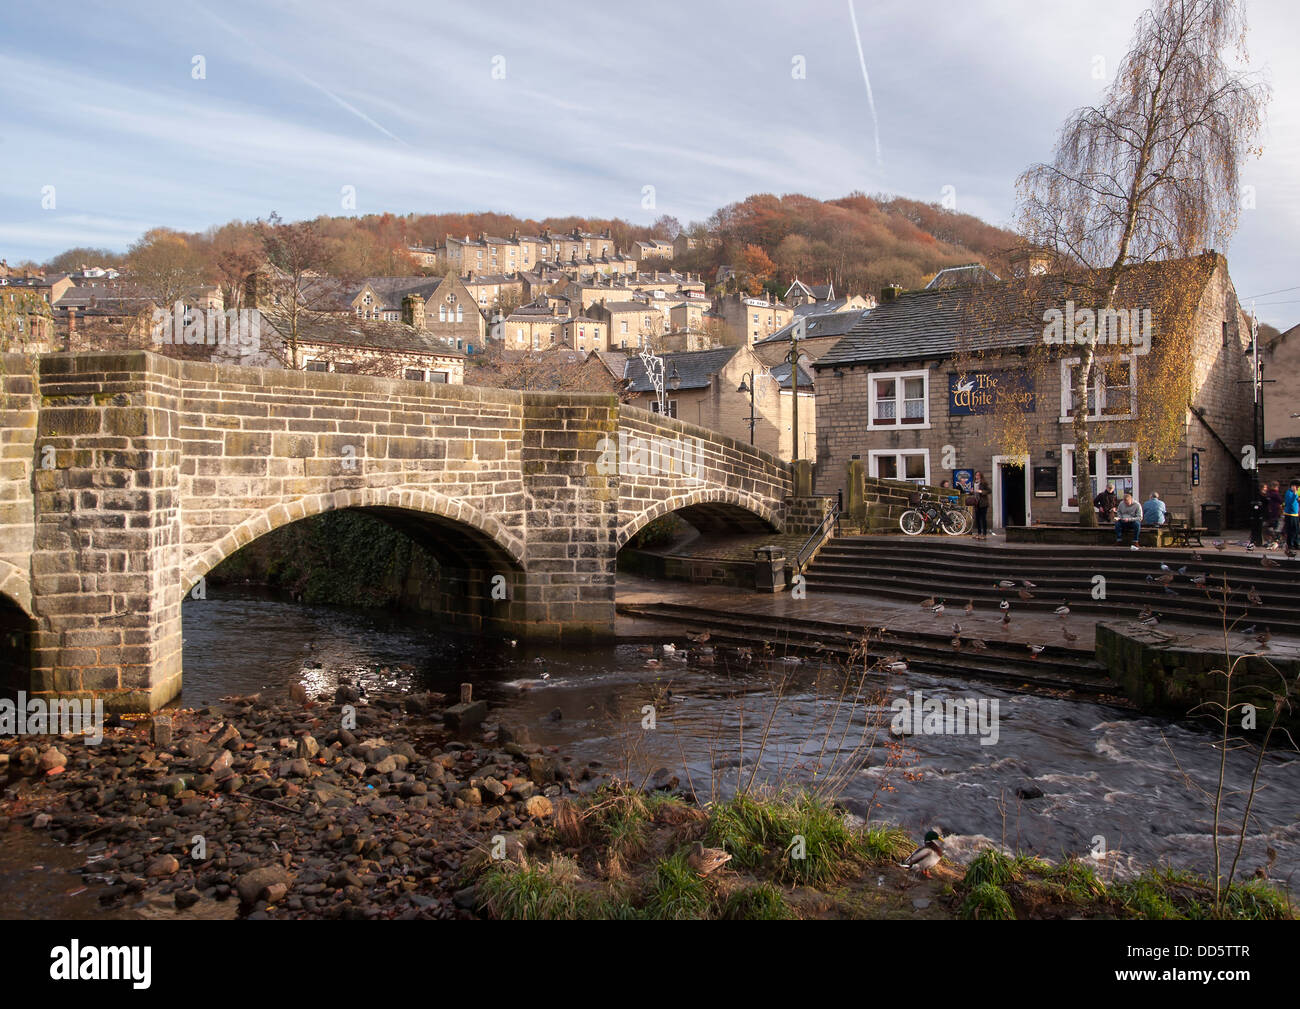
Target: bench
x,y
1181,533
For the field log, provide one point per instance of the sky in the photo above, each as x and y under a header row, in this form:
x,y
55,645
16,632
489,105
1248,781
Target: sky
x,y
123,116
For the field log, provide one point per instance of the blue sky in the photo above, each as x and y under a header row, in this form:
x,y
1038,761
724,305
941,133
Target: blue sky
x,y
591,103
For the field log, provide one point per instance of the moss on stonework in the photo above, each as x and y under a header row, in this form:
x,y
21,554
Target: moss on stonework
x,y
344,558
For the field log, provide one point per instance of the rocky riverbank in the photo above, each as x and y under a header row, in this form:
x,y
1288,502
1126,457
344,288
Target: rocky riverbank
x,y
334,806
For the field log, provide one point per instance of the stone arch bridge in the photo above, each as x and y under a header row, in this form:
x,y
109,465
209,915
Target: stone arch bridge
x,y
129,476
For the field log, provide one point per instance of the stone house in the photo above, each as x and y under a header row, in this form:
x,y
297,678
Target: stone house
x,y
936,383
584,334
532,328
492,290
329,342
747,320
800,293
630,324
484,254
653,248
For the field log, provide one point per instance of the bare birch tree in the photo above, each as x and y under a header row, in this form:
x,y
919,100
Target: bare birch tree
x,y
1152,173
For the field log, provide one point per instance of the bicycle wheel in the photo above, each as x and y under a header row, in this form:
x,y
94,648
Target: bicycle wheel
x,y
956,521
912,522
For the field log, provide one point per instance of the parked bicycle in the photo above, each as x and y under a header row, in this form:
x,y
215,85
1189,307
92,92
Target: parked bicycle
x,y
933,515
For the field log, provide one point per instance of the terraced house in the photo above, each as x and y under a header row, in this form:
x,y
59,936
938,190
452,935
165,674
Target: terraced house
x,y
934,384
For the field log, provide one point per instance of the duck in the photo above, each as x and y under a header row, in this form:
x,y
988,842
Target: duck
x,y
927,856
706,860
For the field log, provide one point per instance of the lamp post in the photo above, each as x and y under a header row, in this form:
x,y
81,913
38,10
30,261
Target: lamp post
x,y
793,358
747,386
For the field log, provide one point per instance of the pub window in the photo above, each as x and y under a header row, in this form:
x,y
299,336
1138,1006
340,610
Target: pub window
x,y
438,376
899,399
414,374
318,366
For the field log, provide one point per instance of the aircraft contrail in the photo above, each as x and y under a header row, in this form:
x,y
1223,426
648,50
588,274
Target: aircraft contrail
x,y
301,76
871,101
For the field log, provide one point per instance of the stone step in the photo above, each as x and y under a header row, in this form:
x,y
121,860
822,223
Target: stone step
x,y
1005,662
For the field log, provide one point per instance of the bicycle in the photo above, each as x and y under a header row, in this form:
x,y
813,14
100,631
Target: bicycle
x,y
927,513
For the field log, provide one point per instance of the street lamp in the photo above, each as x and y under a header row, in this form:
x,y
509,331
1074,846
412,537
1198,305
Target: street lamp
x,y
747,386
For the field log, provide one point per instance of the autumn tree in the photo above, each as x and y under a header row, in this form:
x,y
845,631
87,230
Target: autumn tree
x,y
299,254
164,267
1151,173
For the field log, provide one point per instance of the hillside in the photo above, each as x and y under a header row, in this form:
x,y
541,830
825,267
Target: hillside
x,y
857,242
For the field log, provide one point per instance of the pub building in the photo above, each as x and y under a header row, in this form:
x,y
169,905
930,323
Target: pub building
x,y
930,385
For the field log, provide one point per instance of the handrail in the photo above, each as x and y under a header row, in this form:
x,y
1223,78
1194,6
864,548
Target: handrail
x,y
819,536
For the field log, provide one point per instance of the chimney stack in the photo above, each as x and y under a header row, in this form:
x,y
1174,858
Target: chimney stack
x,y
413,311
890,292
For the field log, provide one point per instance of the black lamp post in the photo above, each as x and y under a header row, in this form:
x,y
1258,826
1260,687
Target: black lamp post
x,y
747,386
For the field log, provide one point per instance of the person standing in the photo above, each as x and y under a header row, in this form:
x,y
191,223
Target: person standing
x,y
981,493
1275,507
1128,513
1291,515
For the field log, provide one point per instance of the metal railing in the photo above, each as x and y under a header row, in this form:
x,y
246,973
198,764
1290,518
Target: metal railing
x,y
819,536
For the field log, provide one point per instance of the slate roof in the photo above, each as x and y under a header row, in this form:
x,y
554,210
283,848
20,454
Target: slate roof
x,y
693,367
940,322
959,276
817,324
349,331
781,372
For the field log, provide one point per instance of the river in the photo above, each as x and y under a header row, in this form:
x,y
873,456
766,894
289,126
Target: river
x,y
1110,780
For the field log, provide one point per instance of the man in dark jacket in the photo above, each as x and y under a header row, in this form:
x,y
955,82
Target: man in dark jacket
x,y
1107,504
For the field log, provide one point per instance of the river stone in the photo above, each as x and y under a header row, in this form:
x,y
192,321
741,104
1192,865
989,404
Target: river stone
x,y
253,885
51,759
225,736
541,768
466,716
470,796
163,865
308,747
160,730
493,787
537,805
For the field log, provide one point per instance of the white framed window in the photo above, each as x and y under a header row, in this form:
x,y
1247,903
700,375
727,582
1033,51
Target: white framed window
x,y
1112,393
898,399
414,374
671,411
317,366
623,326
460,314
894,464
1113,462
438,376
442,313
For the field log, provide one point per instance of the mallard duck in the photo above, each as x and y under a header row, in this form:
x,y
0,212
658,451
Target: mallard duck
x,y
927,856
706,860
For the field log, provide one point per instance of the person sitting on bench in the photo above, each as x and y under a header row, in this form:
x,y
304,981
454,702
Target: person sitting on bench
x,y
1129,513
1153,511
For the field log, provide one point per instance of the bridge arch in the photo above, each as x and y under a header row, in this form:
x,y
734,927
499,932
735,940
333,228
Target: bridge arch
x,y
16,584
389,502
708,502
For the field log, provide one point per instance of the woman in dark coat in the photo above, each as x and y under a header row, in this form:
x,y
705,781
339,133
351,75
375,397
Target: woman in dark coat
x,y
981,491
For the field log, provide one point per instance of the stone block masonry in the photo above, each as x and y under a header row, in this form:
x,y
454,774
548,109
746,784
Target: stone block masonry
x,y
130,476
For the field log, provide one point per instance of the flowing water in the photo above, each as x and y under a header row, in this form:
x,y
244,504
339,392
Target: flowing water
x,y
1111,780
